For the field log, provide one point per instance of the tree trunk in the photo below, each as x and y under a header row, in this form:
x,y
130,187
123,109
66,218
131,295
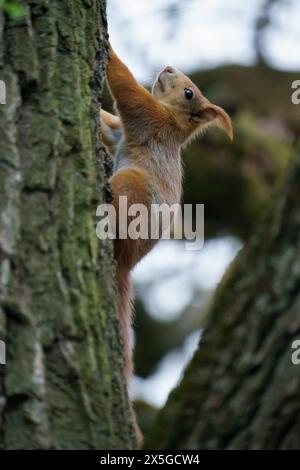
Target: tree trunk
x,y
241,389
62,386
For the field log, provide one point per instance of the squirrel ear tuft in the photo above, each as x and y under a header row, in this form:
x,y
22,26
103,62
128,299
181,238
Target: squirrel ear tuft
x,y
212,114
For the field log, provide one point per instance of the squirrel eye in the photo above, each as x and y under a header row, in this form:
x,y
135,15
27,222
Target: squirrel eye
x,y
188,93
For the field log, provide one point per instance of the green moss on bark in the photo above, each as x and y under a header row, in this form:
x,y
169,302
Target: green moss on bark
x,y
62,386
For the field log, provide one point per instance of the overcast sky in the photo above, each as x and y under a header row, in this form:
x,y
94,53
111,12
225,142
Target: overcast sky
x,y
206,33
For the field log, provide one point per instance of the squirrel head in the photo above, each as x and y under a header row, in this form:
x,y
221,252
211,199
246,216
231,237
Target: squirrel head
x,y
193,112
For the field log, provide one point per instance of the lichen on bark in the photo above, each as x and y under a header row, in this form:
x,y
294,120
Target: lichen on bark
x,y
62,386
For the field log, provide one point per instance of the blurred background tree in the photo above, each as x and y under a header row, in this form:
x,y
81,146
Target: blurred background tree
x,y
241,390
243,56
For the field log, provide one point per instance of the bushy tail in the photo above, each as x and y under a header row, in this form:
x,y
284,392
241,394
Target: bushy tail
x,y
125,295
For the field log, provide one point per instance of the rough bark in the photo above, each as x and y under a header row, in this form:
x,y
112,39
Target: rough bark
x,y
62,386
241,389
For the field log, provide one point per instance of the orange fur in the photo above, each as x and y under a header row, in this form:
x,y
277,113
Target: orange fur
x,y
145,139
154,126
133,183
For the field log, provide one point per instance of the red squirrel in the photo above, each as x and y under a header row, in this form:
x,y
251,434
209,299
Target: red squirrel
x,y
145,139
